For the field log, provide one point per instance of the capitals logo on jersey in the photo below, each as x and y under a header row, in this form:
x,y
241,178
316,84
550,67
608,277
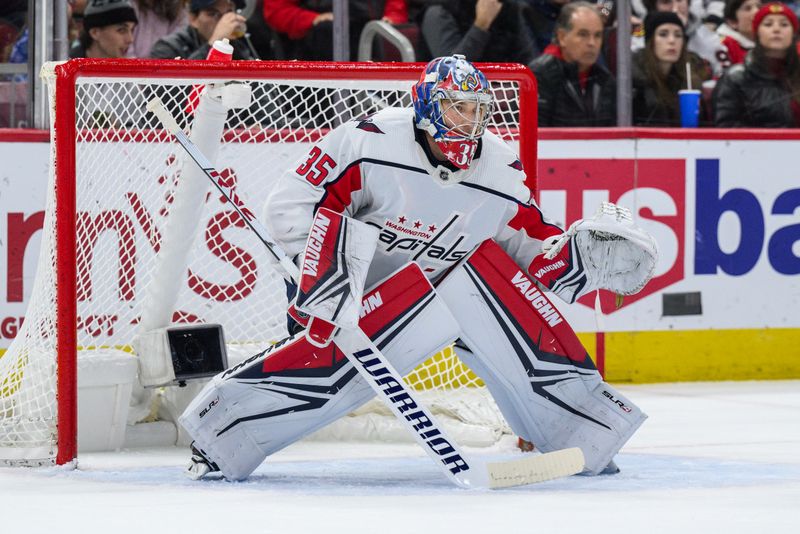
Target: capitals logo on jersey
x,y
422,241
368,125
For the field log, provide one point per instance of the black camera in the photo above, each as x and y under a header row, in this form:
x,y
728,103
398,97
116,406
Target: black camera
x,y
198,351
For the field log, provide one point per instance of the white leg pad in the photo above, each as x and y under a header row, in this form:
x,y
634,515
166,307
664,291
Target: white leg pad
x,y
287,392
541,377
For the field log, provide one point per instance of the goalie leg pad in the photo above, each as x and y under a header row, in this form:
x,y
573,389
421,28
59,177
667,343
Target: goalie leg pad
x,y
541,377
292,389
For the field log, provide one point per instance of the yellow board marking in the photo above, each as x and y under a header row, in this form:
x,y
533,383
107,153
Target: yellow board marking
x,y
690,355
632,357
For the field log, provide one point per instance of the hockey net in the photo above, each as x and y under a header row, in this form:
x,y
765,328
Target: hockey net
x,y
111,200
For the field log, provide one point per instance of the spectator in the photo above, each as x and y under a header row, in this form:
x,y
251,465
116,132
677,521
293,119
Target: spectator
x,y
737,31
482,30
707,11
107,30
608,12
260,35
15,12
157,19
209,21
659,71
107,33
700,39
573,89
713,16
764,91
19,54
75,21
306,26
540,18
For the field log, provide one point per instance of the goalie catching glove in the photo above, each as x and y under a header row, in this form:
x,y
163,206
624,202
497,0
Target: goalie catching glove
x,y
607,251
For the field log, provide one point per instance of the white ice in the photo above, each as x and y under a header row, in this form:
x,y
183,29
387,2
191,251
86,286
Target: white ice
x,y
714,458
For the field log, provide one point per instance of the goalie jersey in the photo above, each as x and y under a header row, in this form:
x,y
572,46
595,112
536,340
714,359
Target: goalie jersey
x,y
379,170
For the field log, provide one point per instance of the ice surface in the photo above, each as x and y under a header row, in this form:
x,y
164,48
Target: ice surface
x,y
717,458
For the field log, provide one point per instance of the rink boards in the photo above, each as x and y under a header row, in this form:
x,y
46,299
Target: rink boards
x,y
724,207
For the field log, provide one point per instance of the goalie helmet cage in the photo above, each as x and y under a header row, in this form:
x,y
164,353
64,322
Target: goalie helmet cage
x,y
114,175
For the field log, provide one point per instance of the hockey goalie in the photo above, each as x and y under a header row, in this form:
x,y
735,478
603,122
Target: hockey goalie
x,y
416,227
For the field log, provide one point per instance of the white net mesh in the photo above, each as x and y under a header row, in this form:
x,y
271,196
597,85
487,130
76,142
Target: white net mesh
x,y
126,175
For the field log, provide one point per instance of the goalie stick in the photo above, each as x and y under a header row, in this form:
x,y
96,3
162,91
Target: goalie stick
x,y
377,371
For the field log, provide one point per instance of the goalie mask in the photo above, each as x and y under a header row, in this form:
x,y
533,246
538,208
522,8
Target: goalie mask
x,y
453,103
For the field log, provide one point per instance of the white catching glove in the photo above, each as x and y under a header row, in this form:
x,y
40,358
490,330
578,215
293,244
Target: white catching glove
x,y
617,255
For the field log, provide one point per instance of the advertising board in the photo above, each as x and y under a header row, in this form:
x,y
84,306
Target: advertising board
x,y
725,300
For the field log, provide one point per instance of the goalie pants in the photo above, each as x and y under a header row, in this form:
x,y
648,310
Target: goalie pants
x,y
541,377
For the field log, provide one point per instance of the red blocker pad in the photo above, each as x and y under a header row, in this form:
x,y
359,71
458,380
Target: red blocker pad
x,y
334,268
539,373
294,388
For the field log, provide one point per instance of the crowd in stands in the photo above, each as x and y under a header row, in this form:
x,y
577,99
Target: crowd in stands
x,y
742,53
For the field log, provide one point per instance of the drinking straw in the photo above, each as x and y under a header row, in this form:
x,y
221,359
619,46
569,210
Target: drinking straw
x,y
688,76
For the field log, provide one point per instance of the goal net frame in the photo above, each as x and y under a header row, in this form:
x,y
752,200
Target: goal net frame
x,y
64,132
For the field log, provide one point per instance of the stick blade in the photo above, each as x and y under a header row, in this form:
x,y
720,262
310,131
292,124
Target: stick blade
x,y
533,469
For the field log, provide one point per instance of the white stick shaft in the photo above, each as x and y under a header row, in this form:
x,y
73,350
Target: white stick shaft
x,y
157,107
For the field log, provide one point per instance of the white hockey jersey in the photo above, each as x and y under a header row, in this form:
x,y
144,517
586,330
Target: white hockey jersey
x,y
376,171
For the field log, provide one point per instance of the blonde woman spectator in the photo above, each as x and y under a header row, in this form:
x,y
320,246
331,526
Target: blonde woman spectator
x,y
157,19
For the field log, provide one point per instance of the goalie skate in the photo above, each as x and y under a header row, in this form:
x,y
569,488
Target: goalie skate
x,y
199,465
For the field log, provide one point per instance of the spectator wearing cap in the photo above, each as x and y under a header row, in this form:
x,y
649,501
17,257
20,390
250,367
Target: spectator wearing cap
x,y
659,71
737,31
764,91
209,21
573,89
700,39
107,33
107,29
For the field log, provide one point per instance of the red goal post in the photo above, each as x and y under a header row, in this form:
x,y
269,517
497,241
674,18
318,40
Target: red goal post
x,y
111,202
